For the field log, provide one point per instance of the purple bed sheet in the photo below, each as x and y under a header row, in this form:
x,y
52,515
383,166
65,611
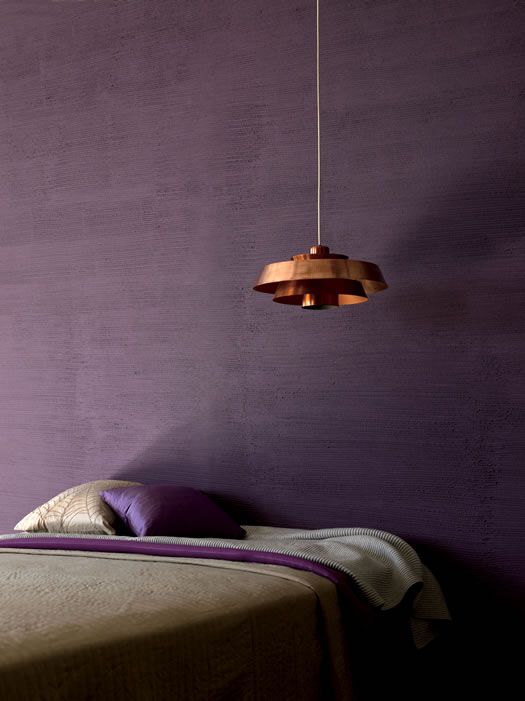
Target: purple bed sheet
x,y
349,594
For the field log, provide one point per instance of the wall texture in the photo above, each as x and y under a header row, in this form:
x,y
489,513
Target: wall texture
x,y
154,154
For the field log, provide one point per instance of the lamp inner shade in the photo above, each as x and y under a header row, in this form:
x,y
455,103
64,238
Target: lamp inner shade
x,y
312,294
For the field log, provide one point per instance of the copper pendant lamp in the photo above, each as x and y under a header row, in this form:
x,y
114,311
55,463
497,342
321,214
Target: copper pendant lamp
x,y
320,279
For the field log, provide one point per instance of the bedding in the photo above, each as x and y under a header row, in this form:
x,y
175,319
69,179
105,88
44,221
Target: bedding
x,y
124,627
76,510
166,618
165,510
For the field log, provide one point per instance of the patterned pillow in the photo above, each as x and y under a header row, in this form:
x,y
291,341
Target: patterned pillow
x,y
77,510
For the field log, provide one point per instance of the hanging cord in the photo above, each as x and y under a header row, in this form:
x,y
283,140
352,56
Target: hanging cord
x,y
318,137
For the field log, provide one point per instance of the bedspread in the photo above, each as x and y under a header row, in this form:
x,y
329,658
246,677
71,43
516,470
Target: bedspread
x,y
84,625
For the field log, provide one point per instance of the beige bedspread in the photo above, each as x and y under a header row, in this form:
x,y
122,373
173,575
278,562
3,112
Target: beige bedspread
x,y
79,625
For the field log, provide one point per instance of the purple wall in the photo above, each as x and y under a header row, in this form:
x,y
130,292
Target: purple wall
x,y
155,154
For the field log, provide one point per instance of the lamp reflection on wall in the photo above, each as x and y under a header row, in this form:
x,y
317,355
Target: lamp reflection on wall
x,y
320,279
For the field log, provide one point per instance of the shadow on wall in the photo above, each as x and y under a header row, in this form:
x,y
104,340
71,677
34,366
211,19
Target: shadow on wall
x,y
463,263
476,655
165,462
466,241
463,268
475,217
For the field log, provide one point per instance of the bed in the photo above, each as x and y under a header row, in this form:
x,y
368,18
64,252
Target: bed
x,y
280,615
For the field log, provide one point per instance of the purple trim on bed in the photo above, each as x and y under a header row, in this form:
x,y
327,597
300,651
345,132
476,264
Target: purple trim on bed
x,y
344,583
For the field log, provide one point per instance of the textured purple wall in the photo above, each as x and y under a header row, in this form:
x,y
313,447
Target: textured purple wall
x,y
156,153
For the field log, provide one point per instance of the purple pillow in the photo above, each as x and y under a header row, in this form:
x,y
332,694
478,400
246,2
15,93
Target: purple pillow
x,y
170,510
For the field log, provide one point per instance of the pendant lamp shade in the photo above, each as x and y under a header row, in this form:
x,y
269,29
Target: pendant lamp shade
x,y
320,279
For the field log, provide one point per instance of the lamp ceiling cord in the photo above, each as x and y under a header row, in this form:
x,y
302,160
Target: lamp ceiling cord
x,y
318,136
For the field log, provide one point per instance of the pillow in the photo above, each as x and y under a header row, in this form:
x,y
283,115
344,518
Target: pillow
x,y
170,510
77,510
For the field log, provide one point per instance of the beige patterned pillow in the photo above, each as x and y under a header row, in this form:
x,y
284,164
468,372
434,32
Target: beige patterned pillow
x,y
77,510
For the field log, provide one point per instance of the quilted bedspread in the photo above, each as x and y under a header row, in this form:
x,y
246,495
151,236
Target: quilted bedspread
x,y
79,626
